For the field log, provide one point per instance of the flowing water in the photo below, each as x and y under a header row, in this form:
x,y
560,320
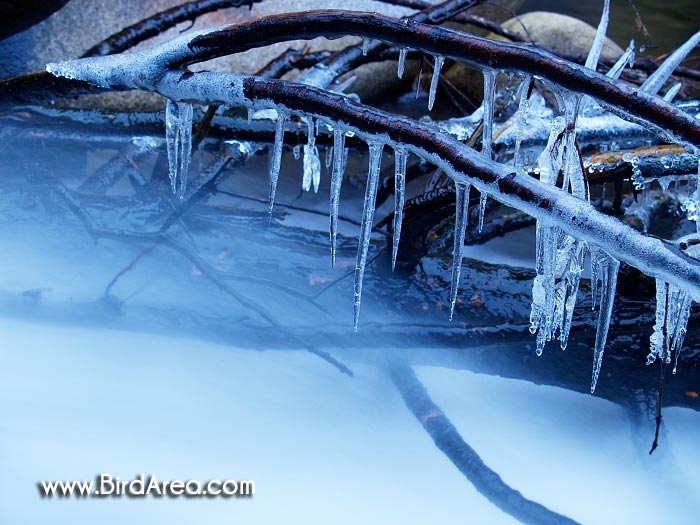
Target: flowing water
x,y
122,354
145,333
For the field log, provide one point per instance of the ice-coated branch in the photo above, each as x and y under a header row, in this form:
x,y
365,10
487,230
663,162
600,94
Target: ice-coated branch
x,y
441,41
574,216
353,56
656,80
138,70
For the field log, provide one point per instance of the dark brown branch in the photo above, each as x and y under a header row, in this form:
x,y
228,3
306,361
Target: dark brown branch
x,y
292,59
156,24
445,42
354,56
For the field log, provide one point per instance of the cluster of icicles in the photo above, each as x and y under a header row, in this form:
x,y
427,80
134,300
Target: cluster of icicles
x,y
559,257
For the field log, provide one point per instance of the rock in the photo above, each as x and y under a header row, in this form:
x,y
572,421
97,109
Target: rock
x,y
56,39
82,23
552,31
560,33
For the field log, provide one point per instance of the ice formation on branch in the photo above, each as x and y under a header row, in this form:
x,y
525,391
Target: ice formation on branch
x,y
178,137
276,156
567,222
375,160
402,61
672,313
604,269
312,162
336,183
400,157
461,218
435,80
490,77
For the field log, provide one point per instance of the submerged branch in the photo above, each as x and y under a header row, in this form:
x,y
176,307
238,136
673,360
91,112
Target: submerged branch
x,y
447,438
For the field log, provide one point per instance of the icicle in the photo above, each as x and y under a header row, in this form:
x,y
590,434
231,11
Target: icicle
x,y
487,135
483,200
573,173
336,182
691,205
489,92
608,268
312,162
172,141
276,157
375,161
439,61
627,57
461,218
402,61
329,157
659,339
671,322
658,78
312,168
200,157
543,288
400,157
595,277
178,136
523,107
599,40
684,304
571,284
672,92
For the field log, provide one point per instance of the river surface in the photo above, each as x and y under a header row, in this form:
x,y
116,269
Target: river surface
x,y
209,353
172,375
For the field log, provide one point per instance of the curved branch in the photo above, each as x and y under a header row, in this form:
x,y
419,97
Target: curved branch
x,y
437,40
464,457
156,24
575,216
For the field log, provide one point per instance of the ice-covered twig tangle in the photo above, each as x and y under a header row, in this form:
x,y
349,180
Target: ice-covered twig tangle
x,y
568,223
